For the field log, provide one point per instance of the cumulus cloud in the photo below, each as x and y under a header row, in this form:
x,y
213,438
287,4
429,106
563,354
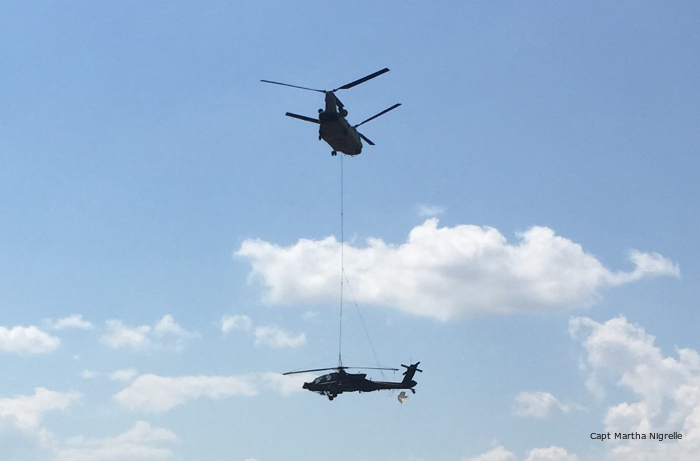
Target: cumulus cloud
x,y
165,333
27,340
539,405
72,321
446,273
141,442
158,394
666,389
26,411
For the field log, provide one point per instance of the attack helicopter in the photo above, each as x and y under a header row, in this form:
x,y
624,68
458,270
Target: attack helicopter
x,y
333,127
333,384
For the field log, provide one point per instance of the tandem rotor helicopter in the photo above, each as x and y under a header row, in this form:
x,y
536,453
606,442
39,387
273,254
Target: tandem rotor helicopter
x,y
333,127
340,381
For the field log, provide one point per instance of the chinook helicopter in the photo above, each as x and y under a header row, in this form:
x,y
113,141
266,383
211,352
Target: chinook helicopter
x,y
333,384
333,127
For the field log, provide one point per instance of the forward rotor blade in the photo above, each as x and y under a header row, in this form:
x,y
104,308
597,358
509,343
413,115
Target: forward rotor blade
x,y
293,86
379,114
302,117
366,139
363,79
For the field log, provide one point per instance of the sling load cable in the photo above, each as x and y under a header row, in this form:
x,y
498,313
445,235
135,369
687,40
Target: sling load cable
x,y
343,278
342,267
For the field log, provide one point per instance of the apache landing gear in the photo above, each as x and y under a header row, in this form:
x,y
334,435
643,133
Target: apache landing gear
x,y
334,153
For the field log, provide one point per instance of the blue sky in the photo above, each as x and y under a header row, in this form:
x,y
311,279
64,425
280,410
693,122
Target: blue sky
x,y
525,227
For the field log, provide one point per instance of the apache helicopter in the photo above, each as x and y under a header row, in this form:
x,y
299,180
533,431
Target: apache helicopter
x,y
335,383
334,128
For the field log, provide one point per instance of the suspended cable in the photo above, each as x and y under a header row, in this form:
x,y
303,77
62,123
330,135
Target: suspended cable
x,y
364,326
342,267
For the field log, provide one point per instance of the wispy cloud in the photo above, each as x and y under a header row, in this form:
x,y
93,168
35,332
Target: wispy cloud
x,y
141,442
267,335
274,336
165,333
72,321
158,394
231,322
429,211
540,405
123,375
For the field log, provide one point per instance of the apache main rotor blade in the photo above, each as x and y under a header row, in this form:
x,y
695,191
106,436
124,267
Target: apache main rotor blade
x,y
340,368
302,117
308,371
293,86
377,115
362,80
373,368
366,139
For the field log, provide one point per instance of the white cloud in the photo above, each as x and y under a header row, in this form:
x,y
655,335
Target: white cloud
x,y
27,340
496,454
26,410
229,322
268,335
429,211
538,454
124,375
446,273
666,389
88,374
285,384
550,454
538,405
119,335
141,442
165,333
72,321
160,393
274,336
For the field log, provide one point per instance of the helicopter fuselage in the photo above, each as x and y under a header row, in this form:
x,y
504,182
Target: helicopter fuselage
x,y
333,127
338,133
332,384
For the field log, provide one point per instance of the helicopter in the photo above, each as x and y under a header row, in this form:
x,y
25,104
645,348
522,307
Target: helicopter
x,y
333,384
333,127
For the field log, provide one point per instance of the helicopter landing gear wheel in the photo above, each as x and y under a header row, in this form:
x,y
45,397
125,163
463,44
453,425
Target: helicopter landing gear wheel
x,y
331,397
333,153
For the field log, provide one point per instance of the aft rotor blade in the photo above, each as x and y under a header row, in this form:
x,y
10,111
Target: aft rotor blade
x,y
293,86
302,117
366,139
363,79
379,114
